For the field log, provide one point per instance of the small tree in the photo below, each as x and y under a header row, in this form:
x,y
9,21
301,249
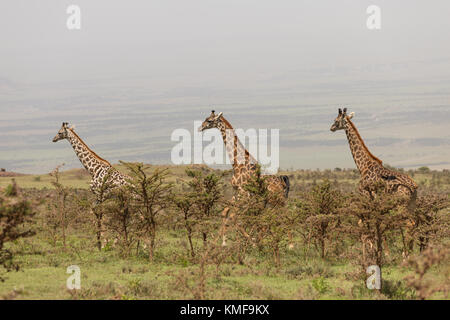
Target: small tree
x,y
122,219
59,207
430,224
151,196
319,214
423,170
206,192
200,204
195,281
425,286
12,189
262,219
370,218
15,214
184,205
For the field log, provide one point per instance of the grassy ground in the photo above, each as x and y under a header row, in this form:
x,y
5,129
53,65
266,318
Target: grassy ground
x,y
107,275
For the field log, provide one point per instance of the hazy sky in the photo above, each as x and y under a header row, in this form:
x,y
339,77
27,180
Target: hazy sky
x,y
171,60
210,40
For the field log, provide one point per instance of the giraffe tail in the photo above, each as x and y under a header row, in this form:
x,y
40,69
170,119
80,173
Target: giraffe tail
x,y
287,185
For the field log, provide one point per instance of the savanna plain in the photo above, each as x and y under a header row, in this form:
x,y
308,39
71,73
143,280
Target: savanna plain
x,y
163,239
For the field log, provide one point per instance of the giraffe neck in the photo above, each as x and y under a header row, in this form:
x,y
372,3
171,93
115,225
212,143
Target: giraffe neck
x,y
88,158
364,159
237,153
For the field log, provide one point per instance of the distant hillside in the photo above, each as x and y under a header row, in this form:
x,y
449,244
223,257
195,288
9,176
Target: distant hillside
x,y
10,174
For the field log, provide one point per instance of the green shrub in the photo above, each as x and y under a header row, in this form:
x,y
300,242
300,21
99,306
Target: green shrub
x,y
321,285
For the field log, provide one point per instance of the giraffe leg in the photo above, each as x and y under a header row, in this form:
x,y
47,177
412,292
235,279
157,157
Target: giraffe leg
x,y
102,239
411,224
99,224
225,217
291,243
363,242
387,252
247,235
228,217
408,239
408,246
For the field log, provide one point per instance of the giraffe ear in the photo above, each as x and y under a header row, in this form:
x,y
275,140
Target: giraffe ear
x,y
218,116
351,115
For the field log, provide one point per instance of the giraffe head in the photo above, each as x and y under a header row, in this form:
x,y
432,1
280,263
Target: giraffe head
x,y
213,121
62,133
341,120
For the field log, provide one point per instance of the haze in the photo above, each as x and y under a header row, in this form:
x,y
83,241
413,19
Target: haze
x,y
137,70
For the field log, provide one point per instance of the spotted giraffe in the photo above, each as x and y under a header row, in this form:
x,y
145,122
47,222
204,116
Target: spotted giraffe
x,y
244,165
371,168
104,177
98,168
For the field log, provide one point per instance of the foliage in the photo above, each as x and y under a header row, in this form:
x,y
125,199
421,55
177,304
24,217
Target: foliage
x,y
370,219
321,285
431,222
151,196
318,212
200,205
57,217
421,265
256,264
121,221
262,219
15,213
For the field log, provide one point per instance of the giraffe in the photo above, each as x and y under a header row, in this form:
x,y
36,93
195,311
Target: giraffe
x,y
371,168
101,171
244,165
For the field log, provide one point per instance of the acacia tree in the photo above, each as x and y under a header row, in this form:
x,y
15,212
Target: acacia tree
x,y
319,212
370,219
200,205
184,204
262,219
431,221
151,195
15,214
122,219
206,193
424,285
59,207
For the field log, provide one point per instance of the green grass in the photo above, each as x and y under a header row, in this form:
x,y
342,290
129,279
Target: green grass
x,y
105,275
